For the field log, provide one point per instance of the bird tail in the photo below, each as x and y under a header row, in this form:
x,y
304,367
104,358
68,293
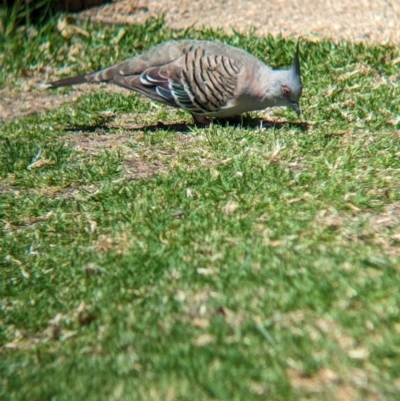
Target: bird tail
x,y
105,75
80,79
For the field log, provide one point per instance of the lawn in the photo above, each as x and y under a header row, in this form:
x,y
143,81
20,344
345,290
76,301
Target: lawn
x,y
144,258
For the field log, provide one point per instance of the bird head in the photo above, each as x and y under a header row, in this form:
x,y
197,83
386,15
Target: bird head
x,y
287,86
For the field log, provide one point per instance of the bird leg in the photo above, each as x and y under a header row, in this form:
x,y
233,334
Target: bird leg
x,y
200,121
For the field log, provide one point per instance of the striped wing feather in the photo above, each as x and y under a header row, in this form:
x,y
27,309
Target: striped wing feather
x,y
198,82
210,80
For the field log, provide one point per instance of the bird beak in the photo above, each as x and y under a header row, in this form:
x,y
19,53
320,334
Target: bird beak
x,y
296,107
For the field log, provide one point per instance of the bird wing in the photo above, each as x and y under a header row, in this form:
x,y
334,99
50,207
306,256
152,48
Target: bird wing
x,y
198,81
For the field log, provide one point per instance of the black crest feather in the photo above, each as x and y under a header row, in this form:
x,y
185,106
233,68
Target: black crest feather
x,y
296,61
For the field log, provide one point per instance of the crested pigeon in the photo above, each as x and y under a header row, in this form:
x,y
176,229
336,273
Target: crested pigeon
x,y
208,79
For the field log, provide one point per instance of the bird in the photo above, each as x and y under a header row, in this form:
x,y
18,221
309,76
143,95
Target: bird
x,y
206,78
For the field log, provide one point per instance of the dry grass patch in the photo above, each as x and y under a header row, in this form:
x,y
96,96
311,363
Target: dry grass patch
x,y
55,331
17,104
379,228
328,384
26,98
135,165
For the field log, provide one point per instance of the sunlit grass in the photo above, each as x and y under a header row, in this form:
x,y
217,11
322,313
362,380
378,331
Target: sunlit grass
x,y
145,258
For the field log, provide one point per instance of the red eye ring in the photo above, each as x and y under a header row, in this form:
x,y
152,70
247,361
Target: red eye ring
x,y
285,90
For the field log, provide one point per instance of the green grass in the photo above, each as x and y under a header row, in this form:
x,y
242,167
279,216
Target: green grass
x,y
22,12
230,262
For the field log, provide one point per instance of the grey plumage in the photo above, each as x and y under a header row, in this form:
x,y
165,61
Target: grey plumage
x,y
208,79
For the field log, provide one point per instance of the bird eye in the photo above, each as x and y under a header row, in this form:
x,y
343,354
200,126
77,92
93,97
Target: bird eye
x,y
285,90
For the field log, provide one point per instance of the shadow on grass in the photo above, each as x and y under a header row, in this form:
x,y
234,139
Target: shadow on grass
x,y
247,122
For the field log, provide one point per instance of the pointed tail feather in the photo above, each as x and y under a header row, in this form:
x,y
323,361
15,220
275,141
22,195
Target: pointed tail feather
x,y
104,75
80,79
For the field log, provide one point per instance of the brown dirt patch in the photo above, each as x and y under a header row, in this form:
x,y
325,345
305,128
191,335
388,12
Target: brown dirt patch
x,y
93,143
17,104
135,166
365,20
27,98
139,159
